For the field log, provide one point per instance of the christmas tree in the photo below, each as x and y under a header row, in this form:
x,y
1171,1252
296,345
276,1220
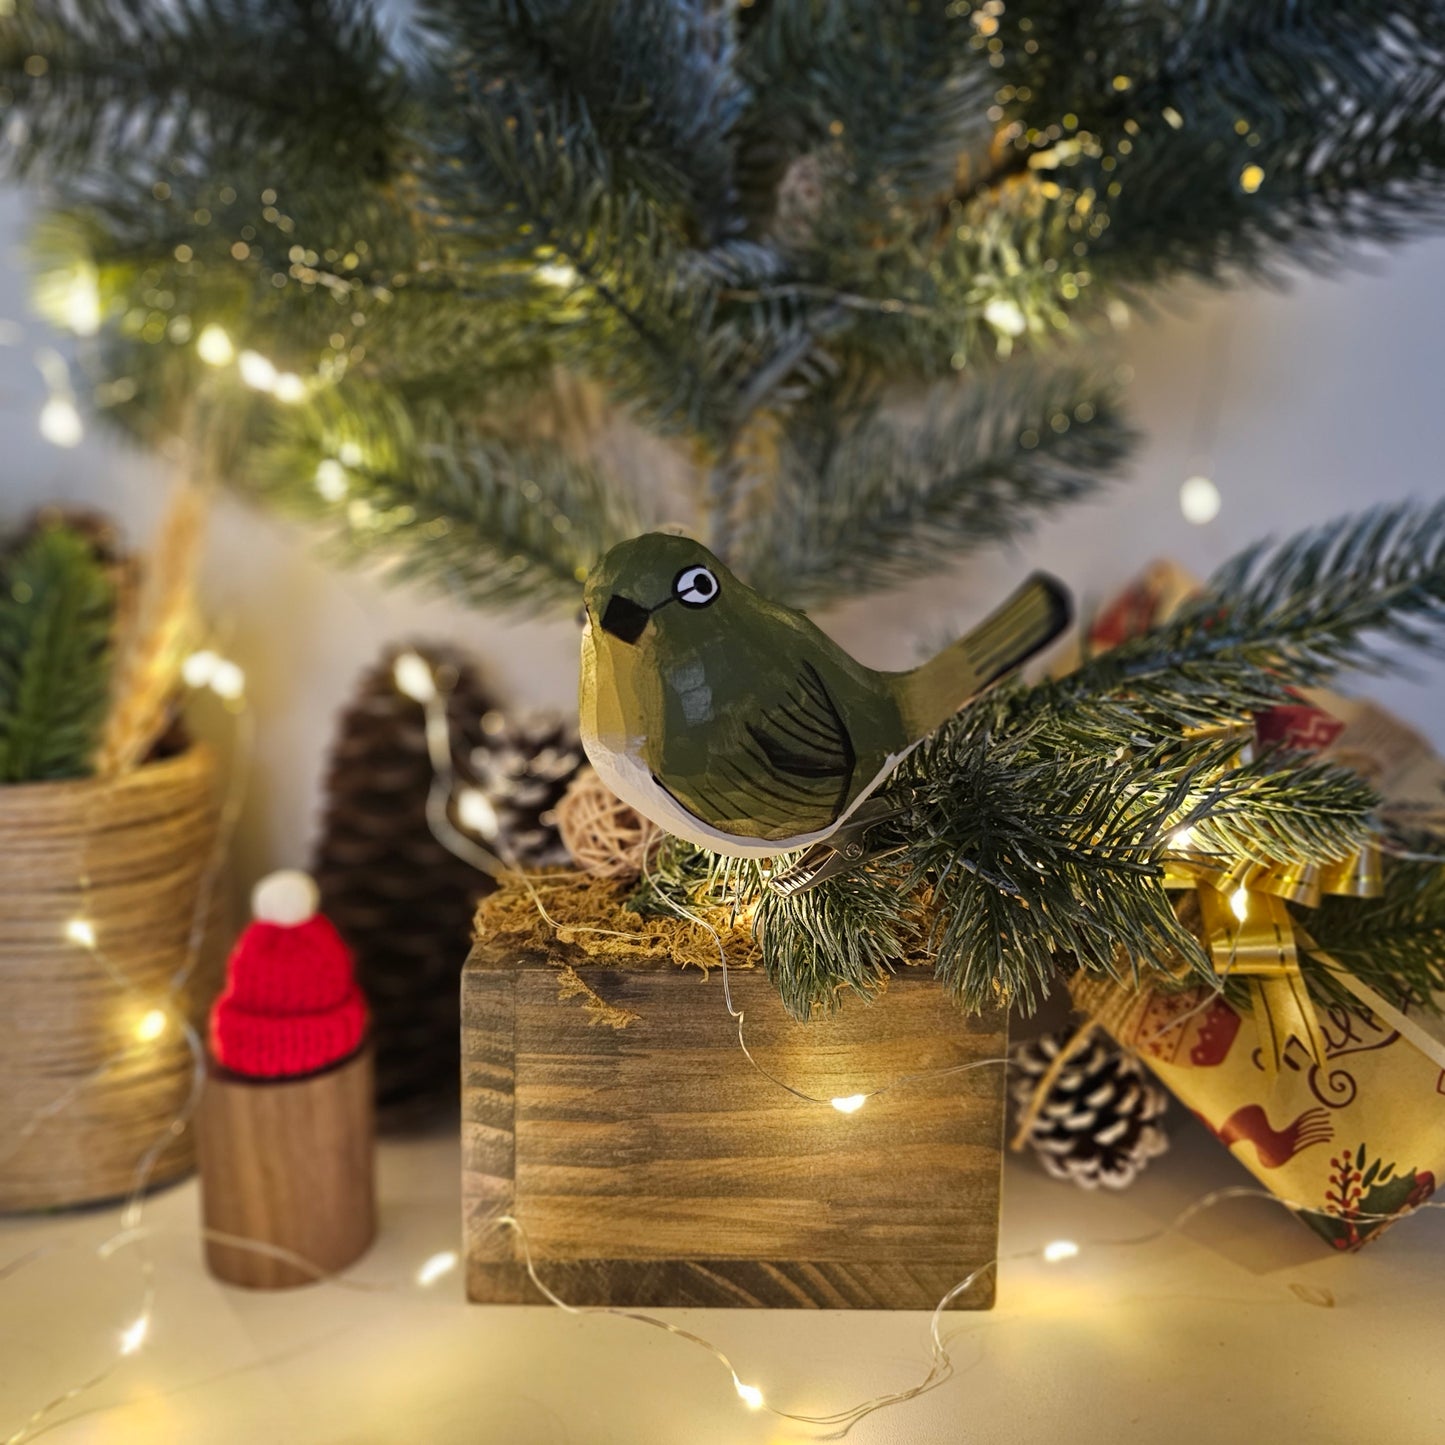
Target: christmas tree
x,y
353,263
409,280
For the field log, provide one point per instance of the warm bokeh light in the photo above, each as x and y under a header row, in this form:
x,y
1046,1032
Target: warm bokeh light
x,y
60,422
437,1266
81,931
413,677
151,1026
1199,500
214,346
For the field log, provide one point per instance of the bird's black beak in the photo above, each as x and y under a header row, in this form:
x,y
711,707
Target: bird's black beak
x,y
625,619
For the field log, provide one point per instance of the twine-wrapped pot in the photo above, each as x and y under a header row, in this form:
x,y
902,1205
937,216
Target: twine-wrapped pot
x,y
89,1086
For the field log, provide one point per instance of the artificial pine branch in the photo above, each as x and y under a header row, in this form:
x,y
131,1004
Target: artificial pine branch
x,y
1275,617
653,83
467,515
856,507
310,83
1395,944
56,611
1225,136
884,94
625,296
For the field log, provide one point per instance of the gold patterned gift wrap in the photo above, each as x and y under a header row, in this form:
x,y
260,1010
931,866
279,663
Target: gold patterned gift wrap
x,y
1357,1137
1337,1109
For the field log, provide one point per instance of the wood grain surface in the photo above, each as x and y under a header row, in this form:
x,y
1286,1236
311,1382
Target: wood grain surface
x,y
653,1165
288,1163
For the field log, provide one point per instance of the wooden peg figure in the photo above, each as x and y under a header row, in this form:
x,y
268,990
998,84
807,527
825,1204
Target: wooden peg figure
x,y
286,1128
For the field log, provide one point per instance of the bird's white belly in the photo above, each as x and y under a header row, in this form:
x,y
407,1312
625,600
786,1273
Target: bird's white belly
x,y
626,772
620,763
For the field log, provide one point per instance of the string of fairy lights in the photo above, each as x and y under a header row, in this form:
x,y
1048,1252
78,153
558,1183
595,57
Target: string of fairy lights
x,y
155,1019
414,677
79,308
148,1020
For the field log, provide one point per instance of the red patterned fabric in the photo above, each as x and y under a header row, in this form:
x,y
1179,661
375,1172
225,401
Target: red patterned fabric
x,y
291,1004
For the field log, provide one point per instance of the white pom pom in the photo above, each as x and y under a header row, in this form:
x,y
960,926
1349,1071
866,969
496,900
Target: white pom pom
x,y
288,898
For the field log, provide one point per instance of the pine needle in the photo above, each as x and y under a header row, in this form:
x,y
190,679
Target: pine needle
x,y
56,608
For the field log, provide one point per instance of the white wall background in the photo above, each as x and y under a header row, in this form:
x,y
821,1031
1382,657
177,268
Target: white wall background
x,y
1332,400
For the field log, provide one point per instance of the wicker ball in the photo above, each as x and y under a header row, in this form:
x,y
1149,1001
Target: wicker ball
x,y
604,836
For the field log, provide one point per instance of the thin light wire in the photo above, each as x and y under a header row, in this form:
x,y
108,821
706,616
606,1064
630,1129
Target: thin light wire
x,y
499,864
241,757
941,1367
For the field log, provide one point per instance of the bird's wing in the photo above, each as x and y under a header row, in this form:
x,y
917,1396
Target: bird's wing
x,y
778,771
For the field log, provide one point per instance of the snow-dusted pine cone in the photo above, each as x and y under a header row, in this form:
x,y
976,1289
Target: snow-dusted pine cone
x,y
523,767
1100,1124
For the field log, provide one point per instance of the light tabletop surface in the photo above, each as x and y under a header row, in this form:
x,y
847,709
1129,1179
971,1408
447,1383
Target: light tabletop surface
x,y
1241,1328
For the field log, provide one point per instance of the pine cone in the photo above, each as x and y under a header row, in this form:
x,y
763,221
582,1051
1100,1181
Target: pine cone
x,y
401,901
1099,1124
523,766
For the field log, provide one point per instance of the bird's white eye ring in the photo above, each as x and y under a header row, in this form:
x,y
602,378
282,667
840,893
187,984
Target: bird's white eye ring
x,y
695,587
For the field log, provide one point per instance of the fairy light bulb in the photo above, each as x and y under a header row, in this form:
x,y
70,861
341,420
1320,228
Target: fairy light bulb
x,y
1006,316
750,1395
256,371
438,1265
1239,903
81,931
476,814
331,482
849,1103
134,1334
60,422
559,274
151,1026
81,303
413,677
214,346
1199,500
198,669
228,681
289,388
1183,839
1057,1250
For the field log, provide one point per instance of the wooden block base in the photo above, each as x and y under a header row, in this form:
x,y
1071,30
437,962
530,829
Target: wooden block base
x,y
654,1166
288,1163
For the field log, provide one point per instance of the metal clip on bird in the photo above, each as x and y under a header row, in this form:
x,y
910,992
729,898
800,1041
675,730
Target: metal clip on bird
x,y
845,850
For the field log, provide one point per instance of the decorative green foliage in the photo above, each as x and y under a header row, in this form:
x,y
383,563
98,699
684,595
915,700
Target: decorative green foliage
x,y
1224,135
1273,618
56,606
652,84
308,83
1030,829
1395,944
855,509
469,516
745,224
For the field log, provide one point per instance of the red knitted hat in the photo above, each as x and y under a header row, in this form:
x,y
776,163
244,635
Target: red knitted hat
x,y
291,1004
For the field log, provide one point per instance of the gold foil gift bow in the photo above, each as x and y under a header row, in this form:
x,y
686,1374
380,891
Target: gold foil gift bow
x,y
1249,933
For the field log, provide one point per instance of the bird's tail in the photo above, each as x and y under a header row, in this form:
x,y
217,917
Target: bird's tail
x,y
1028,621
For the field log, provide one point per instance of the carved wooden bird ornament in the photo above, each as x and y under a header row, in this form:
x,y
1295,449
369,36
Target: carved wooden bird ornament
x,y
736,723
